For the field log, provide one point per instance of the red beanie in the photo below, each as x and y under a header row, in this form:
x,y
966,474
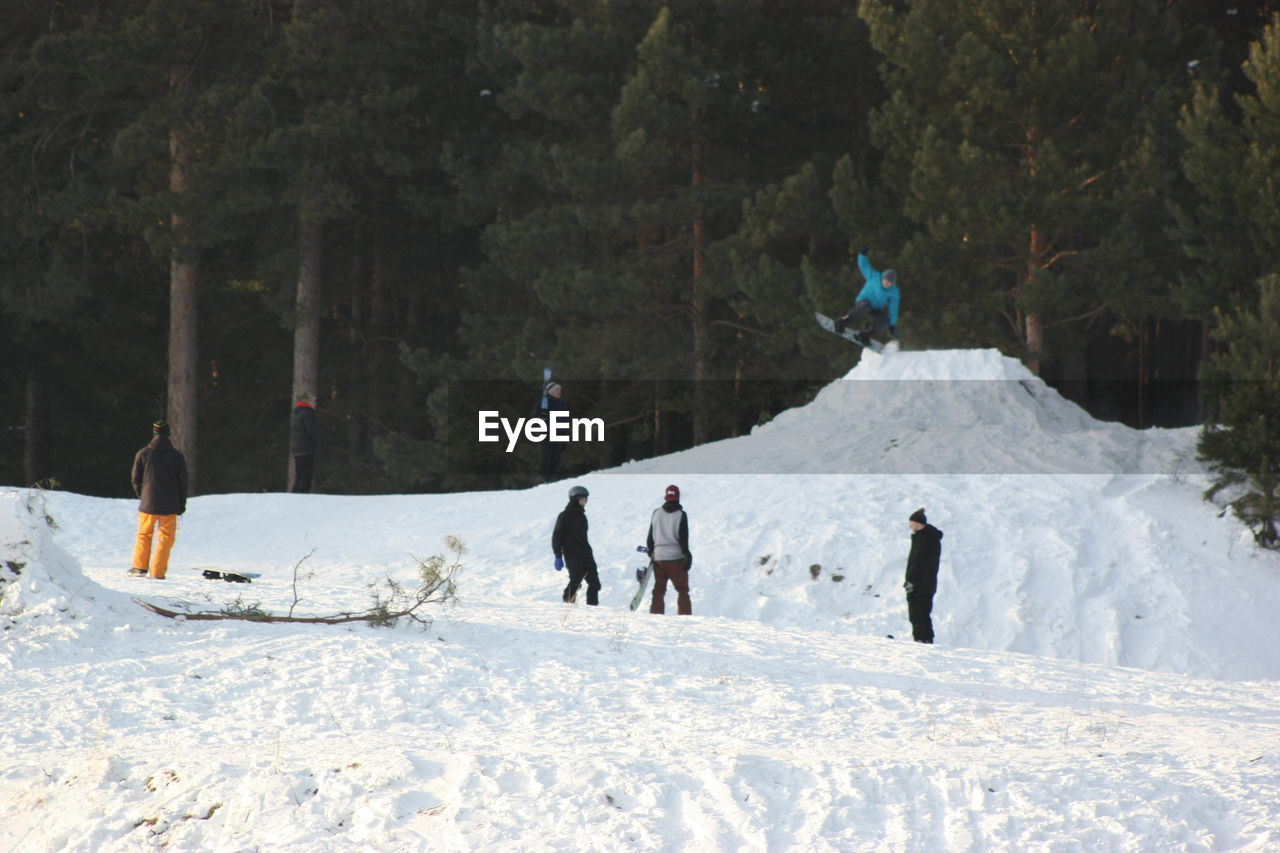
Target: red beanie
x,y
673,493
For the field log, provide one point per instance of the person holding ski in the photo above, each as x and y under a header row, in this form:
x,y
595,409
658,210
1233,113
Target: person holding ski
x,y
550,402
669,547
573,551
160,481
922,575
876,303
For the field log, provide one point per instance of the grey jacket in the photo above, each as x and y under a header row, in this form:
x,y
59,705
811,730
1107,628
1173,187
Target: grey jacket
x,y
669,533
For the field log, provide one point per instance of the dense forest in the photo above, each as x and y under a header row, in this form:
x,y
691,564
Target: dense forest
x,y
210,208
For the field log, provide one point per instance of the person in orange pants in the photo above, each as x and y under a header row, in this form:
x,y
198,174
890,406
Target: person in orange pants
x,y
160,481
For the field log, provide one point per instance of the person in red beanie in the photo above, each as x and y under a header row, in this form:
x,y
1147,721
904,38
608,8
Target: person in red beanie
x,y
669,546
304,440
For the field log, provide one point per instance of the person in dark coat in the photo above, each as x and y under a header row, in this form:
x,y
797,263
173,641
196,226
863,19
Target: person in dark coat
x,y
160,481
304,440
573,551
922,575
549,402
668,544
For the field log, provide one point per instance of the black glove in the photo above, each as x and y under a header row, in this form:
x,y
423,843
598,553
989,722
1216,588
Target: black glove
x,y
688,561
893,330
839,325
864,249
909,587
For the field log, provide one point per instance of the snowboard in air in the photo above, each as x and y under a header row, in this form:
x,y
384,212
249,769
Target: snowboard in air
x,y
863,340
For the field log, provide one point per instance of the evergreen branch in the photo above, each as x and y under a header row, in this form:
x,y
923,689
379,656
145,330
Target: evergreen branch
x,y
732,325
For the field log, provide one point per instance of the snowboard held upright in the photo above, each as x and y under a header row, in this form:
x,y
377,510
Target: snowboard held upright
x,y
643,576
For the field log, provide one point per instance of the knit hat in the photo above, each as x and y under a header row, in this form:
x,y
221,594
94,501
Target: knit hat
x,y
673,494
551,386
918,516
889,277
160,427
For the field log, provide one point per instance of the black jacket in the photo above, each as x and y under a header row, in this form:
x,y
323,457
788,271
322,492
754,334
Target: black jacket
x,y
570,537
160,478
304,431
922,562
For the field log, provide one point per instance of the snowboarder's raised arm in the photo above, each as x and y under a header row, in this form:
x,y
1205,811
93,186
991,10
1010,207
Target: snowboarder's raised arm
x,y
864,266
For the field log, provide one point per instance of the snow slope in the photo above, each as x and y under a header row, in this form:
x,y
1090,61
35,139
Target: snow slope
x,y
1106,676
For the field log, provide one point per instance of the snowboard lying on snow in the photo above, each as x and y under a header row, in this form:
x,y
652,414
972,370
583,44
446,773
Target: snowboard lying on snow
x,y
229,577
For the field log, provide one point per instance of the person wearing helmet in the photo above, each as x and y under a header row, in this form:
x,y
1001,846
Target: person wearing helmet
x,y
573,551
876,303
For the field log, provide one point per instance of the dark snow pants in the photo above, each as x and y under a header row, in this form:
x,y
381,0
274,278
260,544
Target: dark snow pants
x,y
919,608
879,319
577,573
677,571
304,465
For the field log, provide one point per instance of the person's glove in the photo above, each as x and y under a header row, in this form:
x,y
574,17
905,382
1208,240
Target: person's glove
x,y
909,587
893,330
639,575
559,564
864,249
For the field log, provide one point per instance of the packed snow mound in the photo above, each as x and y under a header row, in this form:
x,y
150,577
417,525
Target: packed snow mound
x,y
937,412
39,580
958,364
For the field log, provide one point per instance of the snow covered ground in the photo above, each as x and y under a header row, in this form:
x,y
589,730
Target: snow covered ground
x,y
1107,675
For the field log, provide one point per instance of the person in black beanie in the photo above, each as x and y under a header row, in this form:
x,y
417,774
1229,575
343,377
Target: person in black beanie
x,y
160,482
922,575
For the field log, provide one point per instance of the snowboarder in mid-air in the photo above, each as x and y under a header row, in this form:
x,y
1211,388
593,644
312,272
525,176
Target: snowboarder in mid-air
x,y
876,306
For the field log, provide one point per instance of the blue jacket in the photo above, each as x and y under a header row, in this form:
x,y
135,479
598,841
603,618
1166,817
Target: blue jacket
x,y
873,291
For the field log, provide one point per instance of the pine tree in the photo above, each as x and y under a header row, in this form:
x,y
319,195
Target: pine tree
x,y
1241,437
1231,229
1010,136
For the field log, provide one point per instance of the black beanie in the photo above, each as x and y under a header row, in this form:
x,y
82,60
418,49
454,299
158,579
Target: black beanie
x,y
918,516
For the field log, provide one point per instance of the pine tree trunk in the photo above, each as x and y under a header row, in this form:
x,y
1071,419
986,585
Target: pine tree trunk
x,y
183,313
307,311
1034,328
699,301
35,457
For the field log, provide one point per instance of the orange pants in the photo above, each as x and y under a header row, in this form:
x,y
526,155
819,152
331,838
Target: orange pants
x,y
147,523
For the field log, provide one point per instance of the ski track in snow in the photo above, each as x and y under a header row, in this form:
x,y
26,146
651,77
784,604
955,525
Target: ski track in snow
x,y
1107,677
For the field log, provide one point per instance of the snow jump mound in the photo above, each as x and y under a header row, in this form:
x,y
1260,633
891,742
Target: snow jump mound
x,y
964,412
40,582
